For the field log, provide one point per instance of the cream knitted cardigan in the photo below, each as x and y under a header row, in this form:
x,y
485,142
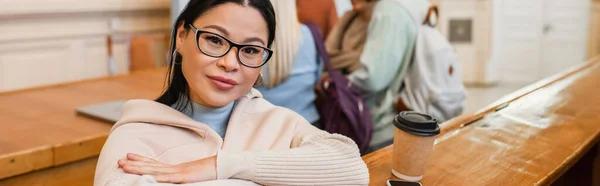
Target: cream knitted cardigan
x,y
264,144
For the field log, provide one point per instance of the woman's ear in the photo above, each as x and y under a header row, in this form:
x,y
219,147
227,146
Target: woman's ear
x,y
181,34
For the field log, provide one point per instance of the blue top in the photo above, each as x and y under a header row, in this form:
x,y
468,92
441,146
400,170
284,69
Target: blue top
x,y
216,118
297,92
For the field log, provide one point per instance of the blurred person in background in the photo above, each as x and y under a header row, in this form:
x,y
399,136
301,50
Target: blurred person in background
x,y
347,39
321,12
295,68
371,44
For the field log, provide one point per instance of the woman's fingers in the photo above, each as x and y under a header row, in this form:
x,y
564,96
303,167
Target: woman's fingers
x,y
141,163
142,167
194,171
135,157
140,170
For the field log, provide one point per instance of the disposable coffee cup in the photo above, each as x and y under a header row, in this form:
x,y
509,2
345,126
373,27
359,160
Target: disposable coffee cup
x,y
413,142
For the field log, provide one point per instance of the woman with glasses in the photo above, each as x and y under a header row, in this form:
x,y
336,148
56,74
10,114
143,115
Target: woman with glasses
x,y
295,68
210,127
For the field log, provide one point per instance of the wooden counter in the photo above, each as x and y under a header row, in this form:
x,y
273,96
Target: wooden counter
x,y
546,128
39,127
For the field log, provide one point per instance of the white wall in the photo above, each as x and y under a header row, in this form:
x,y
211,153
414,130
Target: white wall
x,y
49,42
475,55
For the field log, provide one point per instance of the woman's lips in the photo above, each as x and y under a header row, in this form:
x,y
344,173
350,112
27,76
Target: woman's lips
x,y
222,82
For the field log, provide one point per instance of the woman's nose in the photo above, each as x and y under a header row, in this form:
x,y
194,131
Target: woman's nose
x,y
229,62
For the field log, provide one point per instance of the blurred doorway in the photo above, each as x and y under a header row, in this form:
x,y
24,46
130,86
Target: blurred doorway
x,y
538,38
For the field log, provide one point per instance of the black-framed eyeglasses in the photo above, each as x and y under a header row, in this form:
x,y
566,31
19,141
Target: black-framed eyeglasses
x,y
215,45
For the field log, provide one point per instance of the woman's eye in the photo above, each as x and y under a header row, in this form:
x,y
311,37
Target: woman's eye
x,y
214,40
250,50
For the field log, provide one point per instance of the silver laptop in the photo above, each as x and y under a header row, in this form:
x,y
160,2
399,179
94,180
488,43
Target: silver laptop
x,y
108,112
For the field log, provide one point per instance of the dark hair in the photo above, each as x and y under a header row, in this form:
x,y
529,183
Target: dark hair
x,y
176,84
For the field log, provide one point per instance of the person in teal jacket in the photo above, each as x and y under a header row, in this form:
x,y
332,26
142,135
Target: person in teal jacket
x,y
390,39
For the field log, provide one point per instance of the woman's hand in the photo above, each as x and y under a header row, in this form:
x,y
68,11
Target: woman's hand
x,y
194,171
325,79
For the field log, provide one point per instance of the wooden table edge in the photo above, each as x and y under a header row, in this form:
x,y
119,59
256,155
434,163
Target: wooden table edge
x,y
569,162
22,162
466,119
51,155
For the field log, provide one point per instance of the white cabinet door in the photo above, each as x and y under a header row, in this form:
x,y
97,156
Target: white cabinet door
x,y
565,35
30,66
40,63
517,38
535,39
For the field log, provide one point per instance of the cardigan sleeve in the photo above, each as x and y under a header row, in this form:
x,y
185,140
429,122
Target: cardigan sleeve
x,y
315,158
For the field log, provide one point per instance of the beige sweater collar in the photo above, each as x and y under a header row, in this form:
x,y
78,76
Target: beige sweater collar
x,y
148,111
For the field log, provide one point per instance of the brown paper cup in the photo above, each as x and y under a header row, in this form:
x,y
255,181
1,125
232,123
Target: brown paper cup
x,y
410,155
413,142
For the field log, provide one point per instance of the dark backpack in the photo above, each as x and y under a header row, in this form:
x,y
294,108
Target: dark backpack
x,y
341,107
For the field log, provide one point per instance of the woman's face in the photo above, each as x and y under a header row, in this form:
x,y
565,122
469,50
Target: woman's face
x,y
216,82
